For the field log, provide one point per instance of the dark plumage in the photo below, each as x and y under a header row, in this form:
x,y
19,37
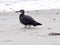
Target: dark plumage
x,y
27,20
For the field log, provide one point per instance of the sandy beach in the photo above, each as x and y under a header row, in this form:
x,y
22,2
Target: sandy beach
x,y
12,32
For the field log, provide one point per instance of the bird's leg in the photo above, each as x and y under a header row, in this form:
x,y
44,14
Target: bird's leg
x,y
29,26
25,26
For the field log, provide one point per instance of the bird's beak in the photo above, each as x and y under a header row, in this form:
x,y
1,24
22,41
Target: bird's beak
x,y
17,11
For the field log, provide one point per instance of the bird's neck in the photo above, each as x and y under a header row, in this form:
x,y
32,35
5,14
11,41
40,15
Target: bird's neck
x,y
22,14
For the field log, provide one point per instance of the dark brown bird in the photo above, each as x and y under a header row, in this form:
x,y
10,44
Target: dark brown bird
x,y
27,20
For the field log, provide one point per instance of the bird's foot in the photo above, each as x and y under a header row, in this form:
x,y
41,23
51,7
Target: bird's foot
x,y
29,26
25,26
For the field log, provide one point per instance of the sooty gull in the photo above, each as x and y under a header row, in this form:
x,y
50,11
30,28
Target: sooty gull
x,y
27,20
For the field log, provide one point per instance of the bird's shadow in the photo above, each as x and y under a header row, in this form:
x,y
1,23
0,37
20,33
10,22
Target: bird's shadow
x,y
31,28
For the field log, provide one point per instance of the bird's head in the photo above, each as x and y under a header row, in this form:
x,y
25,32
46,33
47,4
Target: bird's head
x,y
22,11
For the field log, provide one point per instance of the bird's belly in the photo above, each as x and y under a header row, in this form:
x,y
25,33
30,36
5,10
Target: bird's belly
x,y
23,21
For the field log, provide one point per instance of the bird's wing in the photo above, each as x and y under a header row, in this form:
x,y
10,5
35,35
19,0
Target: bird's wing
x,y
28,18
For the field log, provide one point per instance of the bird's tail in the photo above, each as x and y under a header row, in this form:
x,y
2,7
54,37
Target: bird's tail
x,y
36,23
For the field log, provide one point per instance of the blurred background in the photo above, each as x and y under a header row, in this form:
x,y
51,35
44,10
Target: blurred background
x,y
13,5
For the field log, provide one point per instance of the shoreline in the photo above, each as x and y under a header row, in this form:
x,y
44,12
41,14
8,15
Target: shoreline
x,y
32,12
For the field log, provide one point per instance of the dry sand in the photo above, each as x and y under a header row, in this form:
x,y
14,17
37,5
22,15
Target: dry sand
x,y
12,32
